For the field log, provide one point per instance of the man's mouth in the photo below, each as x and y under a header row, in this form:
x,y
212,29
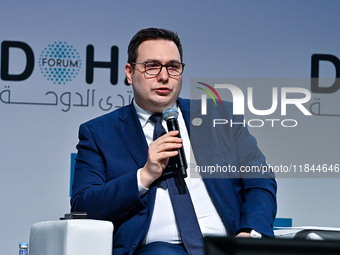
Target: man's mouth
x,y
162,90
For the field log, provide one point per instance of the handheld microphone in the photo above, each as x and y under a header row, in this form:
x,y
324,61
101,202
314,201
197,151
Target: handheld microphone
x,y
170,115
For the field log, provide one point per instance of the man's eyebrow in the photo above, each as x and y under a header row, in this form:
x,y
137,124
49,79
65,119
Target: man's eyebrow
x,y
156,60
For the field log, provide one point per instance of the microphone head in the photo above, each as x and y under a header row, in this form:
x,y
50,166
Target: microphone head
x,y
170,112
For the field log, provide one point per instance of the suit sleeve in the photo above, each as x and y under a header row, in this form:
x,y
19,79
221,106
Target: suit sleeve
x,y
104,197
258,190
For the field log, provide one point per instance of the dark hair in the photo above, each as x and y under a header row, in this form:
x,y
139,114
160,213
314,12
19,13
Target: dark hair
x,y
152,34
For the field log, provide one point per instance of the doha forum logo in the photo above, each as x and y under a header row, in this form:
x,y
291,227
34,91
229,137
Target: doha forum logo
x,y
60,63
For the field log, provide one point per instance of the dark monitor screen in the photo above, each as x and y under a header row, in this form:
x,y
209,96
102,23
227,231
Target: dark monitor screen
x,y
268,246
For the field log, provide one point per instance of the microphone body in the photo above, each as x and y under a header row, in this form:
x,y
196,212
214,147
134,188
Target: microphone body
x,y
170,115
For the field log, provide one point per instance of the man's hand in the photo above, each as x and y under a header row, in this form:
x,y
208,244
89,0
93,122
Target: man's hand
x,y
243,234
159,153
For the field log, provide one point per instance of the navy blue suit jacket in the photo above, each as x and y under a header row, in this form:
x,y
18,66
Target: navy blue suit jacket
x,y
113,147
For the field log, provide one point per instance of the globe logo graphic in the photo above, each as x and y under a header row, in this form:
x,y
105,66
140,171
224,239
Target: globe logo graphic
x,y
60,63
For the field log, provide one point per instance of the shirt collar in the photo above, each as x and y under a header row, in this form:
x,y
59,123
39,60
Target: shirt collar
x,y
144,115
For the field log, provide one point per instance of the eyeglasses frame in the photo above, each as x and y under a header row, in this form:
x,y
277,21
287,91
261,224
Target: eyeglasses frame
x,y
160,70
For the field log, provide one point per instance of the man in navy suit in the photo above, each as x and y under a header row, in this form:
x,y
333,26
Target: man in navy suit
x,y
118,166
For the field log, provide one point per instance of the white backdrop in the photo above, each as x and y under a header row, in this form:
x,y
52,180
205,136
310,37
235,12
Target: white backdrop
x,y
243,39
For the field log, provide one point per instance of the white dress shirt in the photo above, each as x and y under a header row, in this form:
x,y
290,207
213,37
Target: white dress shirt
x,y
163,225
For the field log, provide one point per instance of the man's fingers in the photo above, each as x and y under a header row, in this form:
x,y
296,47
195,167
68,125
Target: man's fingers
x,y
167,138
160,151
166,154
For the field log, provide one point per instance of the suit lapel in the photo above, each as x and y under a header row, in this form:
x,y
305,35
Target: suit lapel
x,y
184,105
200,135
132,135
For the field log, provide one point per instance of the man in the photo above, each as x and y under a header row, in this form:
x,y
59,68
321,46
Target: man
x,y
120,169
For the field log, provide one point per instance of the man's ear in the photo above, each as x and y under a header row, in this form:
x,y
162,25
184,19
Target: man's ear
x,y
128,72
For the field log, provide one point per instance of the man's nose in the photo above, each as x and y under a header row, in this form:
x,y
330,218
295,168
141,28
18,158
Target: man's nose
x,y
163,76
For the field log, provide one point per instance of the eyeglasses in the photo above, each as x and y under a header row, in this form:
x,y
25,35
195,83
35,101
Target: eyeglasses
x,y
154,68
